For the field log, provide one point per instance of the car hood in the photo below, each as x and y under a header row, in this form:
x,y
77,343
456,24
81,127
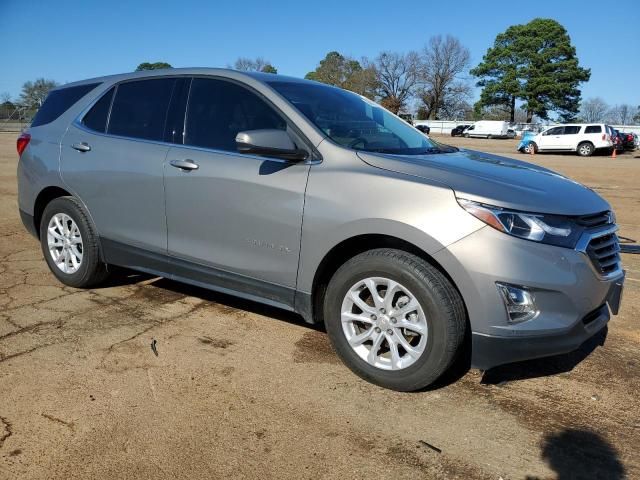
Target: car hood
x,y
496,180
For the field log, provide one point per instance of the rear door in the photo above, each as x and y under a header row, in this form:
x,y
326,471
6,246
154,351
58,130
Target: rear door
x,y
569,137
113,161
238,216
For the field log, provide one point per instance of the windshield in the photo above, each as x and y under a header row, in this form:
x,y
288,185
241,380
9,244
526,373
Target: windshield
x,y
353,121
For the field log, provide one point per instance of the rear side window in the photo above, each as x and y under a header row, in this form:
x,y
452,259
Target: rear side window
x,y
59,101
140,108
593,129
571,130
96,118
218,110
555,131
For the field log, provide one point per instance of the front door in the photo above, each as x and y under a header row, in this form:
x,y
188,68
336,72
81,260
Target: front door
x,y
551,139
234,216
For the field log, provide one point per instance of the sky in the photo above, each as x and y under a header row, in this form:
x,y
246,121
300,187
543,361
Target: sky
x,y
68,40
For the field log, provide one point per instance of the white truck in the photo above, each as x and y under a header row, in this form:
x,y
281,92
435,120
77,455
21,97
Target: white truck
x,y
489,129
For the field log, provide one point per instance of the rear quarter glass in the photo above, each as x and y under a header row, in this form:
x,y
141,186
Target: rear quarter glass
x,y
59,101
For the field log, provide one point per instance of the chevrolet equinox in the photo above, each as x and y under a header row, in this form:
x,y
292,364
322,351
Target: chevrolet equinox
x,y
316,200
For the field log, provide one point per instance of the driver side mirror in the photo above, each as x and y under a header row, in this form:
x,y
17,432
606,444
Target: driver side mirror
x,y
269,143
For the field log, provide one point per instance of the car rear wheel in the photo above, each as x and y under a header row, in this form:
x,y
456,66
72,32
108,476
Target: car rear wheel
x,y
394,319
585,149
70,244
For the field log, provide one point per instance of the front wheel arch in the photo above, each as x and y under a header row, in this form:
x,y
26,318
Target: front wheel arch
x,y
349,248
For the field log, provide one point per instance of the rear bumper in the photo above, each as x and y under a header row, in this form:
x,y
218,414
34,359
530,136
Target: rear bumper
x,y
490,351
29,224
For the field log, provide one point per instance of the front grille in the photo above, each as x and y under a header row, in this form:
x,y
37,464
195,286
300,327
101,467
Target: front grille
x,y
594,220
604,253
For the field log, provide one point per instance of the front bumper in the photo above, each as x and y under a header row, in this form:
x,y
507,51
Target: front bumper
x,y
573,300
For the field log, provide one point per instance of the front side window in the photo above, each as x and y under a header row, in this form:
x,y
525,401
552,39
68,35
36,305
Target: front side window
x,y
217,110
140,108
59,101
353,121
593,129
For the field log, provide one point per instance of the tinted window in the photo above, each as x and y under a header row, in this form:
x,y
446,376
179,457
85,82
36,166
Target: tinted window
x,y
353,121
59,101
593,129
571,130
555,131
140,108
96,118
218,110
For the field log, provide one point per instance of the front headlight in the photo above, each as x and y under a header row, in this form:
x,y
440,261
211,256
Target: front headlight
x,y
551,229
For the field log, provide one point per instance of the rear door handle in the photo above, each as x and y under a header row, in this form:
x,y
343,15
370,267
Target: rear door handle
x,y
81,147
187,165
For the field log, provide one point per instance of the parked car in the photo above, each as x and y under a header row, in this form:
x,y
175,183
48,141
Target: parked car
x,y
459,130
584,139
628,140
511,133
316,200
488,129
424,128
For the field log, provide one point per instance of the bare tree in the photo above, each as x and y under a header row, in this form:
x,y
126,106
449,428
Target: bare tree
x,y
593,110
34,93
5,97
621,114
397,76
257,65
443,61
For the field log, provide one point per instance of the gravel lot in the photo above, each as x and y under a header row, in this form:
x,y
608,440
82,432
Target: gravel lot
x,y
245,391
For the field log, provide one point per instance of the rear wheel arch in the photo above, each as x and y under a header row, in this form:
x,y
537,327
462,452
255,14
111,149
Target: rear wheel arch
x,y
43,199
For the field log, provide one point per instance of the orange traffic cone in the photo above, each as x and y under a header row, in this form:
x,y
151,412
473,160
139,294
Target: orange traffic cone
x,y
614,154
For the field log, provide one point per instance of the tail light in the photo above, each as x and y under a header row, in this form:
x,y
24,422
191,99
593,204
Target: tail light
x,y
23,141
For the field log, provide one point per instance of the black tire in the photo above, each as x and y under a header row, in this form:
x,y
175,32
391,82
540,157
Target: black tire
x,y
529,146
585,149
92,270
466,135
443,307
489,137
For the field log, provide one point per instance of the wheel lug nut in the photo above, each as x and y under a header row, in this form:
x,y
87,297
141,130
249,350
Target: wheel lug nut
x,y
374,318
382,311
393,320
390,332
377,330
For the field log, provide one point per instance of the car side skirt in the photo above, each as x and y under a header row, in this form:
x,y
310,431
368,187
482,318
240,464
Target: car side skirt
x,y
204,276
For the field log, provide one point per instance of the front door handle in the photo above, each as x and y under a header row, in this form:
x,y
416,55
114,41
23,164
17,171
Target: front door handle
x,y
187,165
81,147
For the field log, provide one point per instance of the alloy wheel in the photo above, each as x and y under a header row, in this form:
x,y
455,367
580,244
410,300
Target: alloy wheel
x,y
384,323
65,243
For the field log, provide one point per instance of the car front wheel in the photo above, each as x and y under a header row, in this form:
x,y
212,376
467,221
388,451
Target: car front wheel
x,y
394,319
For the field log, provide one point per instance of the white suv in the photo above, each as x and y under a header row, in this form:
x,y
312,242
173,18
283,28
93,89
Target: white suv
x,y
584,139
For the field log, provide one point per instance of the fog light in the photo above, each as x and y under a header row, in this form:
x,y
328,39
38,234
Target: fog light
x,y
520,303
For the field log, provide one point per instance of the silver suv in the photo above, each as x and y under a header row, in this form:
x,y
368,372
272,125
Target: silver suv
x,y
316,200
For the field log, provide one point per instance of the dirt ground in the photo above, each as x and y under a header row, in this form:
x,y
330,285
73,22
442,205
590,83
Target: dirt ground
x,y
245,391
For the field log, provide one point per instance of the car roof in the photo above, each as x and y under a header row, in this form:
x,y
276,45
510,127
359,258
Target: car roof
x,y
219,72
